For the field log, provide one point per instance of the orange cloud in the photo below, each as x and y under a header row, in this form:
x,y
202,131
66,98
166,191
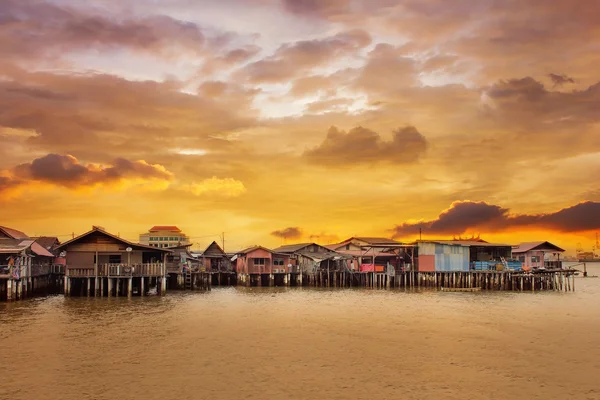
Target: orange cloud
x,y
227,187
363,146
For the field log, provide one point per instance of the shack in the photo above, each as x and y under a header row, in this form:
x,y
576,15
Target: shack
x,y
487,256
538,255
99,263
260,266
25,266
436,256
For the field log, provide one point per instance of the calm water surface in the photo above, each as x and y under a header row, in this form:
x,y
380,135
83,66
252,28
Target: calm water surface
x,y
240,343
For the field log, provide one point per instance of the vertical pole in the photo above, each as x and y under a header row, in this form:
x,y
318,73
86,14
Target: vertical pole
x,y
163,286
9,289
110,286
117,284
101,287
89,282
129,287
142,286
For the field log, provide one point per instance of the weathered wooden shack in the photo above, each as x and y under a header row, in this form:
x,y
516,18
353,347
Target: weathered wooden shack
x,y
442,256
185,270
260,266
99,263
537,255
216,262
26,268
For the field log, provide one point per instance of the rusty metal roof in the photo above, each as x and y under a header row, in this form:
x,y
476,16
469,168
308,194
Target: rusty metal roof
x,y
40,251
13,233
47,242
528,246
100,230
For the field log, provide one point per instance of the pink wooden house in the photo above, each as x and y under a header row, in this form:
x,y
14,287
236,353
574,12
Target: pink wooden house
x,y
538,254
260,260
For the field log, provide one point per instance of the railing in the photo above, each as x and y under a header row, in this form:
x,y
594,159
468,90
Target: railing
x,y
40,270
57,269
118,270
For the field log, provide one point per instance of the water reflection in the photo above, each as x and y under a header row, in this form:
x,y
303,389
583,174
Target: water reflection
x,y
304,343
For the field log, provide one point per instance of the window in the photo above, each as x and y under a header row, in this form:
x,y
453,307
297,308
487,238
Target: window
x,y
535,259
347,247
259,261
277,262
114,259
522,259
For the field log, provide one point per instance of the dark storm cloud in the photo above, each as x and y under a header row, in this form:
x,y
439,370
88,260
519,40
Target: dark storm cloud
x,y
292,232
463,216
363,146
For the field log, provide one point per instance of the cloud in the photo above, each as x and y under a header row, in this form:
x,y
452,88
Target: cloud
x,y
329,105
321,8
527,103
227,187
292,232
363,146
294,59
467,216
31,30
560,79
117,116
67,171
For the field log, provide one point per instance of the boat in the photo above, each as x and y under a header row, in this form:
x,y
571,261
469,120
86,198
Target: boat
x,y
475,289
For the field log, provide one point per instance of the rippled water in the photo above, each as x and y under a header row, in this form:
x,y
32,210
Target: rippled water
x,y
262,343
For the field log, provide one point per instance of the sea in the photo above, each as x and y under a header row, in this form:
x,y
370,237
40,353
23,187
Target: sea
x,y
305,343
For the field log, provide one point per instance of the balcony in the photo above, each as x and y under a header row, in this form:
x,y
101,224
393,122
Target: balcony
x,y
26,272
117,270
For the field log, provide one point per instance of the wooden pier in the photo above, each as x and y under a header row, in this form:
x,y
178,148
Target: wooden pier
x,y
37,280
110,280
560,280
189,280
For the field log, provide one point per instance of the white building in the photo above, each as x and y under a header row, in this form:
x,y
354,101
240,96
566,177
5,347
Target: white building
x,y
164,236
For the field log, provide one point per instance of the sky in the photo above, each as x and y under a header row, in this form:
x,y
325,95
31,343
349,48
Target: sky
x,y
281,121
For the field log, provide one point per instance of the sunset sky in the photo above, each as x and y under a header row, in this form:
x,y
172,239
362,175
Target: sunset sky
x,y
302,120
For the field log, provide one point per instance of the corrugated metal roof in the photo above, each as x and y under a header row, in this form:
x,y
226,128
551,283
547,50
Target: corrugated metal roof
x,y
446,242
40,251
13,233
366,239
365,253
473,243
292,248
101,230
528,246
47,242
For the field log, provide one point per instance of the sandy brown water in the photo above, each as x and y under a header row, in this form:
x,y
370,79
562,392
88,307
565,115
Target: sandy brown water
x,y
240,343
